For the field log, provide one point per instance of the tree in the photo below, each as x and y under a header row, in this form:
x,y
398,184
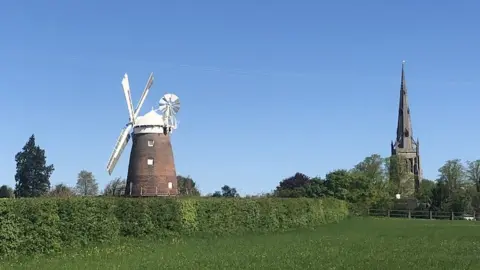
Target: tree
x,y
229,192
315,188
452,173
459,201
62,190
86,184
372,167
401,179
300,185
217,194
6,192
32,178
473,173
116,187
338,184
425,191
440,195
186,186
370,174
355,186
476,201
293,187
226,191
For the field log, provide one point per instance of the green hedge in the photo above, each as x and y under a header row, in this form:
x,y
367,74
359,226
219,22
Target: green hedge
x,y
47,225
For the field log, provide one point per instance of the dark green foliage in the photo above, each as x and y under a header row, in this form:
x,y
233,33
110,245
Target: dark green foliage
x,y
359,243
233,215
217,194
362,187
401,180
299,186
61,190
40,226
186,186
135,217
297,181
338,184
6,192
33,174
116,187
166,216
87,220
374,183
473,173
452,173
425,192
47,225
227,192
216,216
440,195
10,229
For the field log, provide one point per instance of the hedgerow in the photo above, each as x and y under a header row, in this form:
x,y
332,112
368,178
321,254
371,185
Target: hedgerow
x,y
48,225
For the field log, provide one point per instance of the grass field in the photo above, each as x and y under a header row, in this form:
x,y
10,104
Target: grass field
x,y
352,244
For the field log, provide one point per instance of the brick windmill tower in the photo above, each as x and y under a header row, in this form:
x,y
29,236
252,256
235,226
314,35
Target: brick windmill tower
x,y
151,169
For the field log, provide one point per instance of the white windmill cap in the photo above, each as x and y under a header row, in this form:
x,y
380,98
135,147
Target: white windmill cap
x,y
152,118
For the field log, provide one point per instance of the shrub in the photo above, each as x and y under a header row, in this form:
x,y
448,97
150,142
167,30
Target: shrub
x,y
10,230
47,225
86,220
134,216
237,215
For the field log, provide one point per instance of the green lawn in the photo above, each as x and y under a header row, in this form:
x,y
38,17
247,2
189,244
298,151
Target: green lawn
x,y
352,244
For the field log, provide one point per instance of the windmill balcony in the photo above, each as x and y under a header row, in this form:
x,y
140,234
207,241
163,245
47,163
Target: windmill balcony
x,y
156,191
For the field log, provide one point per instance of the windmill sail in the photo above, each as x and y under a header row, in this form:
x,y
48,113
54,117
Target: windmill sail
x,y
133,114
128,97
144,95
119,147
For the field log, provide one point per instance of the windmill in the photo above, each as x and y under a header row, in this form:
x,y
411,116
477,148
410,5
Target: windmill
x,y
151,169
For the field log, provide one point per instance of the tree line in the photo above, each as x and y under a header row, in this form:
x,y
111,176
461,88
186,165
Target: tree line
x,y
375,182
32,179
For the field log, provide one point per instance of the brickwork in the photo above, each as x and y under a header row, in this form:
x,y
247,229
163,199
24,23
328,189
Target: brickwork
x,y
151,166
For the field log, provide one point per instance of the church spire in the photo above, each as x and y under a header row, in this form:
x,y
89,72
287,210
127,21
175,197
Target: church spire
x,y
404,125
404,144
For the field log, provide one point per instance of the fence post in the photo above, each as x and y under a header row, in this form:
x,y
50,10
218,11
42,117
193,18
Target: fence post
x,y
453,217
388,213
368,212
474,215
430,214
409,213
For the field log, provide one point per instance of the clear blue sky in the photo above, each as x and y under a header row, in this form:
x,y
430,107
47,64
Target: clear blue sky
x,y
268,88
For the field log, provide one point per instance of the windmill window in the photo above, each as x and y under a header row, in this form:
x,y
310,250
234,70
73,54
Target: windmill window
x,y
150,162
151,143
170,185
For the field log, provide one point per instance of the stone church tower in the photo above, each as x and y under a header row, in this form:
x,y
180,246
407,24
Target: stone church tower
x,y
405,145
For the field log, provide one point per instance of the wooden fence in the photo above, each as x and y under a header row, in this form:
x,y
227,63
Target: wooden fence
x,y
422,214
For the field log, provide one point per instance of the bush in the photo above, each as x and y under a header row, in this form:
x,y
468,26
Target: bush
x,y
84,221
47,225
